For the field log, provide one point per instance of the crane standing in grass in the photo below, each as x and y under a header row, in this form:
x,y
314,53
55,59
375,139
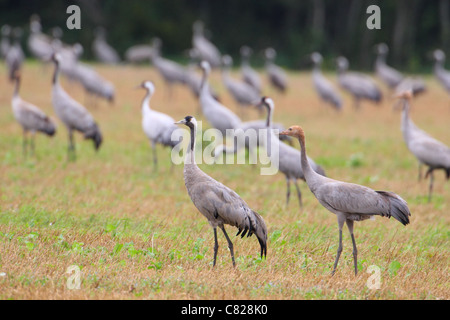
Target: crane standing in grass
x,y
243,93
15,56
323,86
350,202
219,116
442,75
218,203
360,86
170,71
30,117
157,126
288,157
204,47
72,113
277,76
426,149
249,75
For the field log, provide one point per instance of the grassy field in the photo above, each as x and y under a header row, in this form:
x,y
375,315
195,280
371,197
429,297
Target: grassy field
x,y
135,234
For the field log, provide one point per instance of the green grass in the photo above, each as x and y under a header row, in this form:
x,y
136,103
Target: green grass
x,y
134,233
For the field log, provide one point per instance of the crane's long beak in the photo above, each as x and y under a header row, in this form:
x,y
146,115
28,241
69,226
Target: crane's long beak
x,y
182,121
284,133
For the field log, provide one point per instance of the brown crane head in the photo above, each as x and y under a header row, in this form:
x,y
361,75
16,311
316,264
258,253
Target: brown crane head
x,y
294,131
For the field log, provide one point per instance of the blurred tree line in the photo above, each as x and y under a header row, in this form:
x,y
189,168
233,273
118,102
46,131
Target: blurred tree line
x,y
295,28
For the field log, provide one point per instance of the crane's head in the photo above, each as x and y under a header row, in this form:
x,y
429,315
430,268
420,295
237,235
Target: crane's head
x,y
147,85
266,102
406,94
342,63
227,61
382,48
56,58
205,66
245,51
439,55
6,30
198,27
294,131
270,53
188,121
316,58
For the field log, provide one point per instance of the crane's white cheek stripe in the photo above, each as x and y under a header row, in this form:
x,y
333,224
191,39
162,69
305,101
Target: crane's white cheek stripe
x,y
261,149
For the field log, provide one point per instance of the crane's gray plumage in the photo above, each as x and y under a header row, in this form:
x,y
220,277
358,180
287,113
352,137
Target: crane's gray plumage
x,y
193,80
170,71
102,50
219,116
31,118
15,56
249,75
323,86
387,74
393,78
93,83
359,85
218,203
442,75
157,126
5,42
243,93
39,44
248,128
428,151
206,49
276,74
73,114
350,202
288,157
139,53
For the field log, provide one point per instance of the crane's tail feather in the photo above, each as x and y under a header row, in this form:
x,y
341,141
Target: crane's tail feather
x,y
398,207
94,134
254,224
48,127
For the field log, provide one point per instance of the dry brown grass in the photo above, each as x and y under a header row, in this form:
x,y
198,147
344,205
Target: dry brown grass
x,y
54,214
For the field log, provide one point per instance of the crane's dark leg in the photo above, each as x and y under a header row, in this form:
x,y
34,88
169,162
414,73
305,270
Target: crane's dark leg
x,y
299,194
24,144
430,189
288,193
216,246
230,244
71,150
155,159
341,220
32,143
355,251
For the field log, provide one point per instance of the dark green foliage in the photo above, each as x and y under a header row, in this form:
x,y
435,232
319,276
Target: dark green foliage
x,y
412,28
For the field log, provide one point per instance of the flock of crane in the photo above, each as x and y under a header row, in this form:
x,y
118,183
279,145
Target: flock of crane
x,y
218,203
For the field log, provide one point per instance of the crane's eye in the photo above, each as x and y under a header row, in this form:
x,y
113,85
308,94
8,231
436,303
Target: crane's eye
x,y
290,129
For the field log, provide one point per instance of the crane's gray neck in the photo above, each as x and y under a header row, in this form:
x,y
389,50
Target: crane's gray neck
x,y
316,67
226,73
146,102
306,167
381,58
56,73
204,83
405,124
16,87
438,65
